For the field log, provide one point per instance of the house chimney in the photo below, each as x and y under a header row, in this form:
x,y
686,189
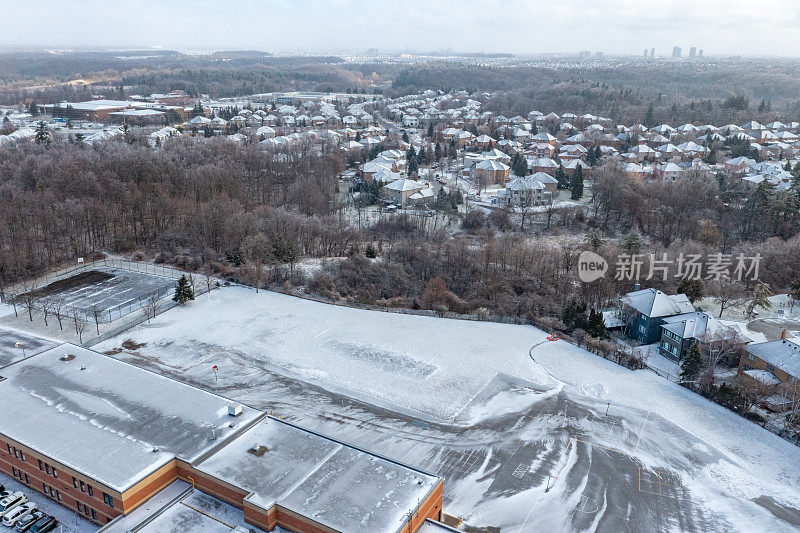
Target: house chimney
x,y
783,334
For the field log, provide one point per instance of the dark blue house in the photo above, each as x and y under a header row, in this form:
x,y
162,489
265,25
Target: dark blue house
x,y
643,312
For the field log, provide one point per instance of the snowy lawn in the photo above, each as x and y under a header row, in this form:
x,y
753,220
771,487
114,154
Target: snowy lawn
x,y
447,369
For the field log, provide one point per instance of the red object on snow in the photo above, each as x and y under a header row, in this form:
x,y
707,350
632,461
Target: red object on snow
x,y
553,337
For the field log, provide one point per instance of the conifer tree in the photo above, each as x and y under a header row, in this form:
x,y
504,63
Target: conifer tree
x,y
183,291
576,183
691,365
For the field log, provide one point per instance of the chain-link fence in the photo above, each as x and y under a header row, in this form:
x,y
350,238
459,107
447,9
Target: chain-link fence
x,y
17,293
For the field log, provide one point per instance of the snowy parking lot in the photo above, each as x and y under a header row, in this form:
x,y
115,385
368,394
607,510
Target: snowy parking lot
x,y
563,441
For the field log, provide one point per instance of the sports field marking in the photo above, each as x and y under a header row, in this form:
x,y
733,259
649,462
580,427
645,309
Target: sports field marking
x,y
520,470
638,440
663,485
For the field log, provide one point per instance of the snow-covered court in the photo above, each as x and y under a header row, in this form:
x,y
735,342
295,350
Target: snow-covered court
x,y
113,292
549,438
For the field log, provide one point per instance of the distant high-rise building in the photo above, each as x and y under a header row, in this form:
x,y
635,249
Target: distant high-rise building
x,y
692,51
598,55
700,54
676,51
645,52
652,52
585,54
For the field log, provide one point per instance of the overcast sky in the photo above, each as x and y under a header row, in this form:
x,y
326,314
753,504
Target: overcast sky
x,y
746,27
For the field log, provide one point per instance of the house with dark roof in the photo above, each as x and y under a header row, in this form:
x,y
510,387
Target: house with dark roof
x,y
643,312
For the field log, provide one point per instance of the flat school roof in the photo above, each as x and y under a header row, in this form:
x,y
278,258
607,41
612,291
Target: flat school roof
x,y
330,482
83,409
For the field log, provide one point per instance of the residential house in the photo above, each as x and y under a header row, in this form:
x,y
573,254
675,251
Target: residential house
x,y
642,313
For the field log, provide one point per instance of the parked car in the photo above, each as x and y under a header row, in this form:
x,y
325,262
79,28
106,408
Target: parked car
x,y
12,500
25,523
43,525
20,511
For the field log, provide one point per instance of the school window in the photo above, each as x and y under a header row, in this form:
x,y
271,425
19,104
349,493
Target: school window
x,y
41,466
86,510
52,494
16,453
9,448
55,474
94,515
44,487
108,500
28,481
83,486
22,455
80,507
90,491
47,468
14,471
58,495
74,482
771,368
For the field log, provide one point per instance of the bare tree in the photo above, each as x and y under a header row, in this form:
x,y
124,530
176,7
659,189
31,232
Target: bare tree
x,y
46,306
209,281
58,311
96,312
150,308
28,299
724,292
80,324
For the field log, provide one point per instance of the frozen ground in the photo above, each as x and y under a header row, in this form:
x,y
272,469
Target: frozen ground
x,y
466,401
70,522
31,345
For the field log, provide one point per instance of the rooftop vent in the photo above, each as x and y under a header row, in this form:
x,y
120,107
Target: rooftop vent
x,y
83,367
67,357
257,450
235,409
155,449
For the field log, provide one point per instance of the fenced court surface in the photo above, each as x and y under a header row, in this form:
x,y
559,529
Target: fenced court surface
x,y
104,290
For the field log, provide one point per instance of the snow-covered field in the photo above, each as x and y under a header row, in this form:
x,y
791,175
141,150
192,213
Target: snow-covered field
x,y
429,366
496,424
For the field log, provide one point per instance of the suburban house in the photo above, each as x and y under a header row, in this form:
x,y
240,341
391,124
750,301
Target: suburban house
x,y
776,366
679,332
400,192
643,312
491,171
527,191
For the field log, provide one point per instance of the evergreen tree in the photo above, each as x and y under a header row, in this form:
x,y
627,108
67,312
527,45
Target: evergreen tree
x,y
632,242
437,152
183,291
649,118
694,289
576,183
561,178
430,130
405,137
207,133
595,239
519,166
411,157
596,327
760,298
33,109
691,365
42,135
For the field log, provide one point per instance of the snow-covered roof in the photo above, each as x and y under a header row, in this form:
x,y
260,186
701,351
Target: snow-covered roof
x,y
654,303
783,354
405,184
339,486
764,376
106,419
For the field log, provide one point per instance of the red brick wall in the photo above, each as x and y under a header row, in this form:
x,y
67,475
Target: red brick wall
x,y
70,496
149,486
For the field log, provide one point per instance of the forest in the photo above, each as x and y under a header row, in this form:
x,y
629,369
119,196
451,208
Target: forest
x,y
250,215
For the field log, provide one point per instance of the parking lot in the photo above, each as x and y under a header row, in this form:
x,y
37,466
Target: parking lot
x,y
28,345
68,522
